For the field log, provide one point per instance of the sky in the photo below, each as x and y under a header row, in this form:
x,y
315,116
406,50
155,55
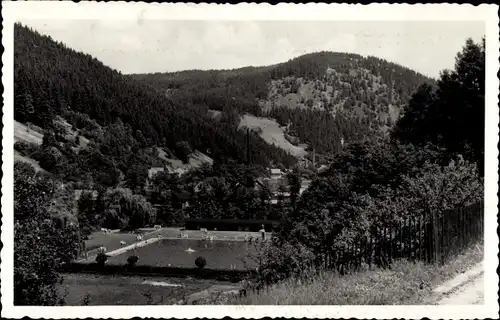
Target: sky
x,y
146,46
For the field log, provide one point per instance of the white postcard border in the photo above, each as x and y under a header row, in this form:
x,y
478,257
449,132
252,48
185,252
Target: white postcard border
x,y
15,11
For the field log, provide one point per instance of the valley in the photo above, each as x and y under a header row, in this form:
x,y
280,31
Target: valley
x,y
171,187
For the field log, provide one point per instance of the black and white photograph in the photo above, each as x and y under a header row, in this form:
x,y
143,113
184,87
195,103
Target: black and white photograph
x,y
329,158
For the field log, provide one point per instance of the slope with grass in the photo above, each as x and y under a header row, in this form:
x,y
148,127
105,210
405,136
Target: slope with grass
x,y
272,133
406,282
27,134
32,162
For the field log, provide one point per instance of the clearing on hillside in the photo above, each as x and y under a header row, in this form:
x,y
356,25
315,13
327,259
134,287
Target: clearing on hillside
x,y
25,133
196,160
272,133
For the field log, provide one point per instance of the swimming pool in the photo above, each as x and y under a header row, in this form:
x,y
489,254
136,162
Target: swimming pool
x,y
219,254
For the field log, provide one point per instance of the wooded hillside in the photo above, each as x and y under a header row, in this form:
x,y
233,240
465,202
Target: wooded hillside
x,y
323,96
52,79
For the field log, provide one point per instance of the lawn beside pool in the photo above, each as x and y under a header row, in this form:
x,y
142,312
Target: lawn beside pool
x,y
109,240
124,290
182,253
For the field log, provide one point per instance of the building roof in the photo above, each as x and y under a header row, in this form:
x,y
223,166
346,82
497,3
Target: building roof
x,y
272,184
322,168
154,170
78,194
202,184
275,171
179,171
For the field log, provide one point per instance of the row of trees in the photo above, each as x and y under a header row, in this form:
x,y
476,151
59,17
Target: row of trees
x,y
322,131
213,192
451,114
114,209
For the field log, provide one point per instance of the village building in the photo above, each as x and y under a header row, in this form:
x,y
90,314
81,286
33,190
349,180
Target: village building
x,y
276,173
78,194
278,187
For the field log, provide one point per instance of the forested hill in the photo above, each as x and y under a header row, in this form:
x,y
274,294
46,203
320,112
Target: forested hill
x,y
323,96
51,80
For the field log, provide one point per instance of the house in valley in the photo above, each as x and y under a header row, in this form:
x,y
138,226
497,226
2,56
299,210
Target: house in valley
x,y
276,173
78,194
279,188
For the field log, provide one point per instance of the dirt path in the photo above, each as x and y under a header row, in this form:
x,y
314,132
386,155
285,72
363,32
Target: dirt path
x,y
465,289
472,293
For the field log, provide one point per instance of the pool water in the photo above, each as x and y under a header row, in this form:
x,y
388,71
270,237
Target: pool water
x,y
182,253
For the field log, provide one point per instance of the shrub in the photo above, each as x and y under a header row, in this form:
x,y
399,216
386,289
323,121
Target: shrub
x,y
279,260
182,150
432,188
132,260
127,210
200,262
25,148
49,158
101,258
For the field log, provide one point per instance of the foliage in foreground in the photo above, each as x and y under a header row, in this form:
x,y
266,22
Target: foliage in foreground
x,y
369,186
42,242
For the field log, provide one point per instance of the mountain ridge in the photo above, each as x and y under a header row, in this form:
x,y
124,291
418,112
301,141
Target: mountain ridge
x,y
319,100
364,93
51,79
